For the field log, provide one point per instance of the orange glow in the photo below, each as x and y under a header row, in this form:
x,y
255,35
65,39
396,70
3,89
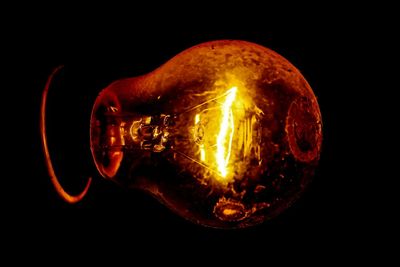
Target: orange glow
x,y
229,212
226,134
53,177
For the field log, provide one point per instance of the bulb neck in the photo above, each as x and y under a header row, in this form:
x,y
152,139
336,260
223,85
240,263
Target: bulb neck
x,y
115,134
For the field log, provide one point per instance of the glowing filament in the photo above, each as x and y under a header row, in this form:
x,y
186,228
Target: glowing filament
x,y
202,153
223,145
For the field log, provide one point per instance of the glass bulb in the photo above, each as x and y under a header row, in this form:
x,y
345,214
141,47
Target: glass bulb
x,y
226,134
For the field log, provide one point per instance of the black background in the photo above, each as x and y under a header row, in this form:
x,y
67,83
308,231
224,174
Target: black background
x,y
326,48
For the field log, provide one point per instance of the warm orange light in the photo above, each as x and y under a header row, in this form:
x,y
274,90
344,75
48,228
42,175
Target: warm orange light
x,y
226,134
229,212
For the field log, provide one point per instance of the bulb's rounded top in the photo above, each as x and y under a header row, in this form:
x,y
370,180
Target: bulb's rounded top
x,y
226,133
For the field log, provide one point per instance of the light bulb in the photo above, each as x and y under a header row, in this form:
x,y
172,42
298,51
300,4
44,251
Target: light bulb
x,y
226,134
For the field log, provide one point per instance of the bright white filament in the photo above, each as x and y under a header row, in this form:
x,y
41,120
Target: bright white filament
x,y
227,123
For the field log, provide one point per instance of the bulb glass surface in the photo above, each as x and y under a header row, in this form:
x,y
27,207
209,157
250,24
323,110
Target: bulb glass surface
x,y
227,133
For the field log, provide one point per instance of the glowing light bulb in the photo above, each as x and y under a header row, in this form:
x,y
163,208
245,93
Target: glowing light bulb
x,y
226,134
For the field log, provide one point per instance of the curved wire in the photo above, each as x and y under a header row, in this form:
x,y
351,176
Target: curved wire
x,y
53,177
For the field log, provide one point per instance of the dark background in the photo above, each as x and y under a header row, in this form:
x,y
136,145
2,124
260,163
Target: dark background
x,y
327,49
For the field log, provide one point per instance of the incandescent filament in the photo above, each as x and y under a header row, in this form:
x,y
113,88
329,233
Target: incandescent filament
x,y
225,136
